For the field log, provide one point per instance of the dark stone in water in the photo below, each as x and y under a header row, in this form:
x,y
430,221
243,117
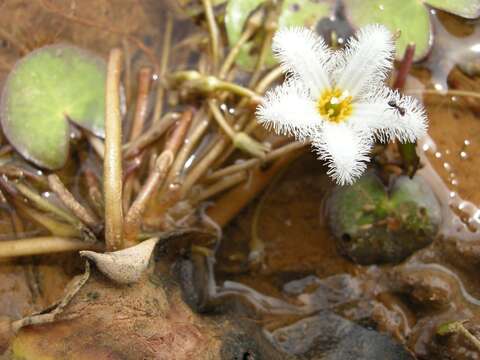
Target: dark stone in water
x,y
328,336
374,226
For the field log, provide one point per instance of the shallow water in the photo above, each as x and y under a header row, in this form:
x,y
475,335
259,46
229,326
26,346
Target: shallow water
x,y
278,256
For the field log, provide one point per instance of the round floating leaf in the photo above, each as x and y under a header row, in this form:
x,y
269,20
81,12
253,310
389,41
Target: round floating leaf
x,y
469,9
411,17
294,13
373,226
48,88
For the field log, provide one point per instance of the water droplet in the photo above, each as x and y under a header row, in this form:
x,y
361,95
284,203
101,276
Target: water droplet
x,y
454,182
447,166
438,154
463,155
466,142
425,147
155,77
452,194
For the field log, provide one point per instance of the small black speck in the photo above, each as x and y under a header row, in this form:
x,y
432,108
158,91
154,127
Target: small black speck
x,y
93,295
346,237
295,7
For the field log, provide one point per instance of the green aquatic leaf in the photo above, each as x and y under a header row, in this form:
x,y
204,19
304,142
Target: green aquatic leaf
x,y
469,9
373,224
294,13
410,17
48,88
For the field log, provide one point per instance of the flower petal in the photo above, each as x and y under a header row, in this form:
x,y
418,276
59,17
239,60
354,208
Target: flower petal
x,y
366,61
391,116
344,150
305,55
288,110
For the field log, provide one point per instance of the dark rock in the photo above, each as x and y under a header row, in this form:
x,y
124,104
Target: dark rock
x,y
328,336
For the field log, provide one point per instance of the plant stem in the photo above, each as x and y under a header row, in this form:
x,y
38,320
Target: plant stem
x,y
112,166
134,147
199,170
45,205
214,33
56,228
232,55
81,212
220,186
220,119
178,135
154,180
166,47
141,112
269,79
264,51
209,84
94,193
247,164
141,106
231,203
97,145
407,150
188,146
43,245
404,68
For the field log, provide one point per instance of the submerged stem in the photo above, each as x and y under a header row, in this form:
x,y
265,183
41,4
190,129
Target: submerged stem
x,y
154,180
71,203
148,137
214,33
112,166
43,245
166,47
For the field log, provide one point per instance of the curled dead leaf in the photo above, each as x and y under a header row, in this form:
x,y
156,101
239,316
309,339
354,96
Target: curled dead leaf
x,y
124,266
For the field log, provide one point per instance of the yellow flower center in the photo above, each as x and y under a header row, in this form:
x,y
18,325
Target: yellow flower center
x,y
335,105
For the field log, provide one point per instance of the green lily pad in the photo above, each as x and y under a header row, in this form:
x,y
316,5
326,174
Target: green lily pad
x,y
45,91
374,226
469,9
411,17
294,13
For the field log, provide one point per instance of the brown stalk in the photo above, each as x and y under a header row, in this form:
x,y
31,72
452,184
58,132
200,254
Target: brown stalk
x,y
44,245
134,147
221,185
166,47
95,193
204,164
80,211
141,106
133,219
196,133
404,68
112,166
247,164
178,136
141,112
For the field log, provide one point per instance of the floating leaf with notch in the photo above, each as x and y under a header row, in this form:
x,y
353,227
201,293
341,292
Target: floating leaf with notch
x,y
46,90
410,17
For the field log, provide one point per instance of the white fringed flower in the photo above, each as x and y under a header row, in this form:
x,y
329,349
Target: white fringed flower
x,y
337,99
